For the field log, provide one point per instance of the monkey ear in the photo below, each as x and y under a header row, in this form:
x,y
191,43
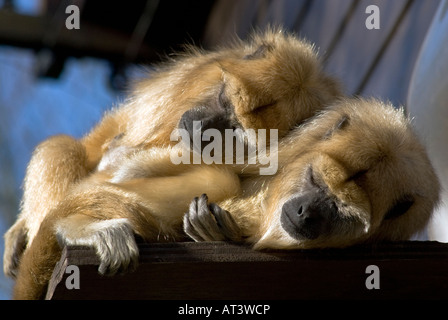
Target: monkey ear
x,y
400,208
261,52
343,122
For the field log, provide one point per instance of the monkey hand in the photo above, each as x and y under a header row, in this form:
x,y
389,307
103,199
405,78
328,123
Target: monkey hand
x,y
209,222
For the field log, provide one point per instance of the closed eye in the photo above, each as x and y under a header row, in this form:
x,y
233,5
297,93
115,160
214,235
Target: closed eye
x,y
223,100
400,208
264,107
259,53
343,123
358,175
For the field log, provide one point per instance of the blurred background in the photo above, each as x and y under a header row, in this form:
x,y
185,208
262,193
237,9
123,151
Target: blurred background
x,y
57,80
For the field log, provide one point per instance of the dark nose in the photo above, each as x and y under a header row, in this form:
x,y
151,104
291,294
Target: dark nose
x,y
309,216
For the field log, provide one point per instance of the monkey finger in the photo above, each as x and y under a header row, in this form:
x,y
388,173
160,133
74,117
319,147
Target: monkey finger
x,y
225,222
188,226
205,223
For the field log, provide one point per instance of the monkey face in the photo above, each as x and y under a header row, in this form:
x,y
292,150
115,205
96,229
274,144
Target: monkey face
x,y
355,173
274,81
315,213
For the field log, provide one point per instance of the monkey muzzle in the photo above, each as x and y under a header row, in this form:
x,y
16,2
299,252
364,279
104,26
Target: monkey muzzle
x,y
309,216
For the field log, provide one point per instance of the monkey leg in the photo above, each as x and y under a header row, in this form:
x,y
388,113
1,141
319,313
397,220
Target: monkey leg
x,y
56,164
36,264
100,219
105,216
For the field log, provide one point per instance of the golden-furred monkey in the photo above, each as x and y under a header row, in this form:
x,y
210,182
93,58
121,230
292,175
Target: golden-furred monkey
x,y
83,191
355,173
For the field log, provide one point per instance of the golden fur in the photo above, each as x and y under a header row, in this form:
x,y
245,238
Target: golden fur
x,y
358,157
273,81
362,155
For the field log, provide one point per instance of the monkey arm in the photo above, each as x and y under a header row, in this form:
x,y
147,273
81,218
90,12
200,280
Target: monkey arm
x,y
55,166
148,163
105,216
57,163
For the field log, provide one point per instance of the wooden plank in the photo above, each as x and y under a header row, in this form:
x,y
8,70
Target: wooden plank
x,y
218,270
